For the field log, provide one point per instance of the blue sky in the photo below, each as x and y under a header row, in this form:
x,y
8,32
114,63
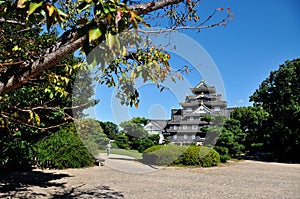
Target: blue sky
x,y
262,36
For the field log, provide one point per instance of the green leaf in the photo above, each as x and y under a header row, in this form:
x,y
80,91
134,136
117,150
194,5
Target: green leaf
x,y
33,6
106,9
62,15
17,133
94,34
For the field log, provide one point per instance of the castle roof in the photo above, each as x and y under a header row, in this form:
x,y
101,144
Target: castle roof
x,y
203,87
157,124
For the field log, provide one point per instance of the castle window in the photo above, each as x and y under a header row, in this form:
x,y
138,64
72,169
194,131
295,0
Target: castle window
x,y
184,127
185,136
189,110
174,137
194,127
217,108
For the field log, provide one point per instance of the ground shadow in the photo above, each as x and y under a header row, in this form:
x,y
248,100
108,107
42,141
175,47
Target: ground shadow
x,y
19,185
126,159
12,183
95,192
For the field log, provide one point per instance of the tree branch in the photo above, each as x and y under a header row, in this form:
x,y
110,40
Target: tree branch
x,y
32,126
16,76
68,43
28,109
3,20
148,7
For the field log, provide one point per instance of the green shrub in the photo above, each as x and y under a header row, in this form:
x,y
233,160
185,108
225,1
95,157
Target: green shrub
x,y
16,154
92,147
114,145
181,155
200,155
155,138
122,141
153,148
141,144
63,149
224,153
224,158
163,155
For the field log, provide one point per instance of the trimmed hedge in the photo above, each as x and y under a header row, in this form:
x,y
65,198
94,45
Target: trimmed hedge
x,y
164,155
200,155
153,148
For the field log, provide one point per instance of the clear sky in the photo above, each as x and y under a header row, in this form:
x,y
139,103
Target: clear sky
x,y
263,34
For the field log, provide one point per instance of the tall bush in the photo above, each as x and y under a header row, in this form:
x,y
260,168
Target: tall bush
x,y
63,149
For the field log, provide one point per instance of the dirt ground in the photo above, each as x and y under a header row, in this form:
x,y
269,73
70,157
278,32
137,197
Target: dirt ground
x,y
243,179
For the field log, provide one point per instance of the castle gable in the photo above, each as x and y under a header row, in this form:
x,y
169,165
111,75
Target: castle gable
x,y
202,110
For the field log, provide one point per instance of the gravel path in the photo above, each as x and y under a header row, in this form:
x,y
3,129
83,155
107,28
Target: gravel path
x,y
244,179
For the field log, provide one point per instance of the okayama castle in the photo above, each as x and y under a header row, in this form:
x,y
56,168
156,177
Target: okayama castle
x,y
187,124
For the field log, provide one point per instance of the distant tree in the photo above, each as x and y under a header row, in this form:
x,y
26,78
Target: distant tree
x,y
122,140
139,120
155,138
138,137
218,121
279,95
207,118
253,124
231,139
141,144
110,129
214,130
134,129
91,133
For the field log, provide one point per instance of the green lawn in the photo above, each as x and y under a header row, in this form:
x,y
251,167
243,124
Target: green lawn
x,y
132,153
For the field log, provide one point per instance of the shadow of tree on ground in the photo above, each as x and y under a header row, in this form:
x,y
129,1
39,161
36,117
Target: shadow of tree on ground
x,y
95,192
20,185
12,183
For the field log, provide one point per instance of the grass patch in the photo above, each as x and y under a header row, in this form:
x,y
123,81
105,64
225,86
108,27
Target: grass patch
x,y
131,153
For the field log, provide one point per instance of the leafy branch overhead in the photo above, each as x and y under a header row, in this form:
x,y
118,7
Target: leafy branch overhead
x,y
86,24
